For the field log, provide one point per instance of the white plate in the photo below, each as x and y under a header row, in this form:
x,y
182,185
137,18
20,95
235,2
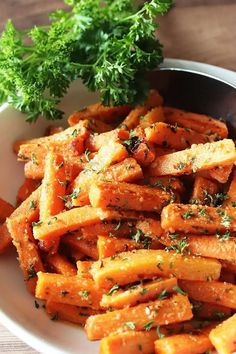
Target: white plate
x,y
17,311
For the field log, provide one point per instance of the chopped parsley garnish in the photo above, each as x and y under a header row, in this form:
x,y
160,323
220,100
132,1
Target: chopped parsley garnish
x,y
131,325
84,294
163,295
35,224
148,326
137,236
188,214
180,165
87,153
33,204
179,290
113,290
160,335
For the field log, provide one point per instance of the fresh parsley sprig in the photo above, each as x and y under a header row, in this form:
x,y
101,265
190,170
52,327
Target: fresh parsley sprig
x,y
108,44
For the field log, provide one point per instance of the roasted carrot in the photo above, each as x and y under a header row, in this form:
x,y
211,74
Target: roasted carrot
x,y
198,122
203,190
99,112
153,116
204,245
230,266
70,313
221,173
136,294
223,336
83,269
128,196
197,158
198,219
231,194
174,137
183,344
150,227
172,184
111,229
6,209
28,253
109,154
215,292
5,238
144,153
133,118
26,189
59,264
73,219
87,247
159,312
128,267
29,208
68,290
154,99
95,142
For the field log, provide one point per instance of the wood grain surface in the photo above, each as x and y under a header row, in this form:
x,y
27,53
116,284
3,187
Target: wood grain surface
x,y
201,30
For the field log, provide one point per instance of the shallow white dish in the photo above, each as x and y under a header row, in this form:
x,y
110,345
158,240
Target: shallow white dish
x,y
17,311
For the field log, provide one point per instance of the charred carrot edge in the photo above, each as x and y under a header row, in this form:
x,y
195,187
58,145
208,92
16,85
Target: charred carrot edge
x,y
231,194
83,269
155,115
223,336
29,208
173,136
26,189
207,311
144,154
6,209
197,158
108,247
144,264
99,112
59,264
215,292
117,298
109,154
184,344
133,118
175,309
53,186
128,196
68,290
5,238
28,254
204,245
70,313
198,122
195,219
202,188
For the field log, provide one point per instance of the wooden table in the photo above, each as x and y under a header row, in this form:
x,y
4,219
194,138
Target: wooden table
x,y
201,30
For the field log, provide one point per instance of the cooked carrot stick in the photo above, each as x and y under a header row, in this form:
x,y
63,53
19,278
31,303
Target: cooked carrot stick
x,y
204,245
28,254
223,336
150,227
108,247
83,269
197,158
133,118
203,189
172,184
173,136
231,194
198,219
99,112
144,153
128,196
109,154
129,267
87,247
59,264
215,292
153,116
70,313
207,311
198,122
183,344
68,290
154,99
5,238
159,312
26,189
6,209
95,142
127,170
53,186
230,266
118,299
111,229
221,173
29,208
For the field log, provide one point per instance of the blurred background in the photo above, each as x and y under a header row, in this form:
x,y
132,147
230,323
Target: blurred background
x,y
201,30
